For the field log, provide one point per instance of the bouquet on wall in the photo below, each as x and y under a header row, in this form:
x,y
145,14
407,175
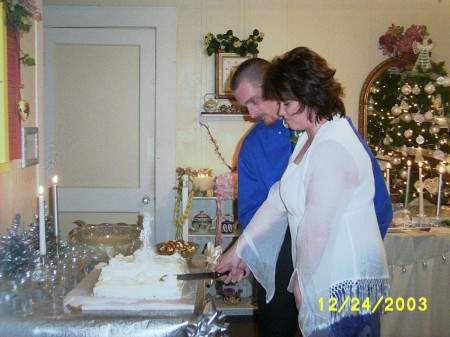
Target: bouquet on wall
x,y
398,43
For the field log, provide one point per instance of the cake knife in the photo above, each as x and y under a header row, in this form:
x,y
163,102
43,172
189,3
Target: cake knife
x,y
197,276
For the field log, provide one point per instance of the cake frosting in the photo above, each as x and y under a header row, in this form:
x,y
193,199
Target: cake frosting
x,y
143,275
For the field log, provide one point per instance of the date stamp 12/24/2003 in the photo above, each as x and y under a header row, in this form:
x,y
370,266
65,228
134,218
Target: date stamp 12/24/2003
x,y
387,303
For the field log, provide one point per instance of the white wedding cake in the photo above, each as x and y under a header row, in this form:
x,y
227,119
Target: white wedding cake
x,y
144,275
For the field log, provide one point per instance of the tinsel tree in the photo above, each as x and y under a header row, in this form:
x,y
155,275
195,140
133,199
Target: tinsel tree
x,y
52,247
409,115
18,255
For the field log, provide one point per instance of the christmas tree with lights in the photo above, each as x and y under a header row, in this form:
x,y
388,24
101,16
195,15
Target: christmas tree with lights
x,y
409,117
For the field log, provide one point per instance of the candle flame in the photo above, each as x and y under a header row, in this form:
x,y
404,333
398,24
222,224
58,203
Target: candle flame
x,y
420,164
441,169
55,180
41,190
409,163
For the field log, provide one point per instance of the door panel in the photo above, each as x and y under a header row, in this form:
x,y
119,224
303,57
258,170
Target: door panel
x,y
100,119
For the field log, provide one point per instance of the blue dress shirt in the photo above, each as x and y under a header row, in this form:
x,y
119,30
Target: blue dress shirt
x,y
262,160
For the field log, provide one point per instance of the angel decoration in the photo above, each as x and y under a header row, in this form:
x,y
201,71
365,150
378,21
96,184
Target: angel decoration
x,y
423,49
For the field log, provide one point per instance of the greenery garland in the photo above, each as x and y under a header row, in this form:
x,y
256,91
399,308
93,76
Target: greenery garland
x,y
18,18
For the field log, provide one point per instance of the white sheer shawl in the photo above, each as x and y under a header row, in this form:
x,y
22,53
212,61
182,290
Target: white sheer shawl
x,y
336,245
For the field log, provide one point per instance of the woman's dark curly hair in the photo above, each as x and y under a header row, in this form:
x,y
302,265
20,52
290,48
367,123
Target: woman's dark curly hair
x,y
304,76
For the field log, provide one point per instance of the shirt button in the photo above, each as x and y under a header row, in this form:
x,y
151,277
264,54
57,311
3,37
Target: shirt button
x,y
279,132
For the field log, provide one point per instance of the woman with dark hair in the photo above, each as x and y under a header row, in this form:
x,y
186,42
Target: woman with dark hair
x,y
326,193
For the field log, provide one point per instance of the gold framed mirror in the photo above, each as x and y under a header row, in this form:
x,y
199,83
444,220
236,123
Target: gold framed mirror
x,y
364,95
404,116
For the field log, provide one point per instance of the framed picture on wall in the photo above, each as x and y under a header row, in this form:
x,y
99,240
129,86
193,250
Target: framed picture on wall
x,y
226,64
30,146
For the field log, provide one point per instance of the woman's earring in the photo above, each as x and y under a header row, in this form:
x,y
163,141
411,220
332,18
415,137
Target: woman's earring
x,y
285,124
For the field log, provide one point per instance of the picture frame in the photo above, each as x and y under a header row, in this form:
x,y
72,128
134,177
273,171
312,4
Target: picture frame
x,y
30,146
225,65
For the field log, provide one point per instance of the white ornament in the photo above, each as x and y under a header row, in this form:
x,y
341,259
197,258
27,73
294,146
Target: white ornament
x,y
396,110
416,90
420,140
408,133
440,80
423,49
446,82
404,174
396,160
387,140
406,89
434,129
431,185
407,117
438,154
404,105
429,115
419,118
429,88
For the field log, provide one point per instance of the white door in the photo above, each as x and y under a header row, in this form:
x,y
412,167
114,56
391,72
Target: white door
x,y
109,102
100,122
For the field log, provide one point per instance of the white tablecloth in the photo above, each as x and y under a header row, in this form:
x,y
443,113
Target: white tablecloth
x,y
419,264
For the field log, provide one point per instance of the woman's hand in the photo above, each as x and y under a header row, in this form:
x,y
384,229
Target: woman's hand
x,y
230,261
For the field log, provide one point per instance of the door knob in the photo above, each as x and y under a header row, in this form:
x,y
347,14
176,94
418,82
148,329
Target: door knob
x,y
145,199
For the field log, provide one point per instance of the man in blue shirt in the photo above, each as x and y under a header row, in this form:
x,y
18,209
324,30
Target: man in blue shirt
x,y
262,160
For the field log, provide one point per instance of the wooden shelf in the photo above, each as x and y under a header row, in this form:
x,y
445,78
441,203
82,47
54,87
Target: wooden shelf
x,y
226,116
212,234
245,307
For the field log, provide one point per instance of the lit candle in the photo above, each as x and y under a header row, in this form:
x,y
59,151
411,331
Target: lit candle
x,y
420,190
438,208
55,207
388,182
42,244
408,181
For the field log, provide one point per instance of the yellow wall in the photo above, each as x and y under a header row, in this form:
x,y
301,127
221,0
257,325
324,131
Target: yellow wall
x,y
345,32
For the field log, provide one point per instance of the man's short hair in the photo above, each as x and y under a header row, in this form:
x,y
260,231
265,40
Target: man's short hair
x,y
252,70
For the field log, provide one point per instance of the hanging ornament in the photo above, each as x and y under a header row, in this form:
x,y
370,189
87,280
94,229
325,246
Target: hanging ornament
x,y
404,105
440,80
419,118
407,117
396,110
429,115
396,160
404,174
416,90
429,88
438,154
387,140
405,149
446,82
441,121
406,89
408,133
434,129
423,49
418,156
443,141
420,140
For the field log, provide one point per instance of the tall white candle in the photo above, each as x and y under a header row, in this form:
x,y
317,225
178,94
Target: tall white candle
x,y
388,179
42,244
55,207
420,190
438,207
408,182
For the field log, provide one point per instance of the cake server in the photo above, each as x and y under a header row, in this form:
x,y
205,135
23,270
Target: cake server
x,y
197,276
